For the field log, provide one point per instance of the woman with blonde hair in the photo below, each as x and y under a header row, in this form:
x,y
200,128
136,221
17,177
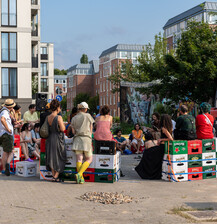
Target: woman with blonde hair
x,y
82,127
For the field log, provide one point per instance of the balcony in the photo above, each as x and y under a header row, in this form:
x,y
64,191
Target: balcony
x,y
34,2
35,32
35,62
44,56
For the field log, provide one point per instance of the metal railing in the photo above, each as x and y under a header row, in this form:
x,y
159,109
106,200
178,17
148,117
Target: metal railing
x,y
34,62
35,32
44,56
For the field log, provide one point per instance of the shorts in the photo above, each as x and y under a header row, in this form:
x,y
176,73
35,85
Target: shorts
x,y
86,153
7,142
135,141
31,148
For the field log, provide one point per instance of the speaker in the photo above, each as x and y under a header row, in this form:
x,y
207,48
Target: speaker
x,y
41,101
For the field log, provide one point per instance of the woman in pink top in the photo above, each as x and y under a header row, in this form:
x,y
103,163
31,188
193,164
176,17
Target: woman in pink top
x,y
103,125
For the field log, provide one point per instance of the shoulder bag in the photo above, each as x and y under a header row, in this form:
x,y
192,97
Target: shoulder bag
x,y
44,130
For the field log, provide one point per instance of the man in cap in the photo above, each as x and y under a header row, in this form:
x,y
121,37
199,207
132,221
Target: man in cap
x,y
6,135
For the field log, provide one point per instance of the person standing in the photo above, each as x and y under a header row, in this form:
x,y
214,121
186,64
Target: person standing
x,y
82,127
6,135
31,116
185,125
204,122
55,144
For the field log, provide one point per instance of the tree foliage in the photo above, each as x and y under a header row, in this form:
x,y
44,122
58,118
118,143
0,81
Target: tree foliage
x,y
189,73
60,72
63,103
84,59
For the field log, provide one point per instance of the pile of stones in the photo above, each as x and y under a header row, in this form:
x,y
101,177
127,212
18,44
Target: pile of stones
x,y
107,198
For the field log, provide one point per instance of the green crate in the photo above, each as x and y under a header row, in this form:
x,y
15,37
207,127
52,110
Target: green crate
x,y
209,175
42,159
194,163
176,147
208,145
104,178
68,176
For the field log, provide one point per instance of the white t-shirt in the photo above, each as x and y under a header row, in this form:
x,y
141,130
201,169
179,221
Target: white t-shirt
x,y
6,114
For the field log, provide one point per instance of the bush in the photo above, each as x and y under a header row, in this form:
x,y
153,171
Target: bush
x,y
125,128
116,119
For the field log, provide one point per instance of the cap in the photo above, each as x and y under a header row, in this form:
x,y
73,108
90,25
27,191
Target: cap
x,y
83,105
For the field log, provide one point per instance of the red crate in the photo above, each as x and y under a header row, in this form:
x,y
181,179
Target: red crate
x,y
16,140
42,147
88,177
17,152
194,147
196,176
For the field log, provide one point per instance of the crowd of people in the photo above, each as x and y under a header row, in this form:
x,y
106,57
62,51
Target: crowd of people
x,y
83,127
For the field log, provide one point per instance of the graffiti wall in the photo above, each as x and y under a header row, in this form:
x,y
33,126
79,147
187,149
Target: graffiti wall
x,y
134,106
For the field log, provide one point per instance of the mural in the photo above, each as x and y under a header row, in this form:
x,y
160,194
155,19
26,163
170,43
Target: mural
x,y
134,106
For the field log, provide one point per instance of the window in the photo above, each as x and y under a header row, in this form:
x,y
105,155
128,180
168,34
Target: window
x,y
9,82
110,99
100,101
9,47
44,69
104,100
96,81
44,86
64,81
114,99
123,54
43,50
134,55
57,81
9,12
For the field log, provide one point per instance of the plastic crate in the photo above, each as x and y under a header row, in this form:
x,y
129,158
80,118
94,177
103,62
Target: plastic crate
x,y
105,147
194,147
195,175
208,145
176,147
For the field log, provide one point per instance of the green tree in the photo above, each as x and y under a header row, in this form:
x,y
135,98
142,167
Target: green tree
x,y
64,103
84,59
60,72
93,102
81,97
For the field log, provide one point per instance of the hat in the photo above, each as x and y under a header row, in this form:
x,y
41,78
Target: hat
x,y
9,103
205,107
83,105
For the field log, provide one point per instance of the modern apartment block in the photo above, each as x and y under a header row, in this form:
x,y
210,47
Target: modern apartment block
x,y
60,85
46,76
109,61
20,50
81,79
176,25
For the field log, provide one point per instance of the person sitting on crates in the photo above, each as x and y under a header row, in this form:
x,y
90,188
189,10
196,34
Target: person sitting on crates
x,y
185,125
103,125
137,138
122,142
204,122
35,135
82,127
28,147
6,135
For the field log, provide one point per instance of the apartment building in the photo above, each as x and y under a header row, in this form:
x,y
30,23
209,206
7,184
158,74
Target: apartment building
x,y
60,85
20,50
176,25
46,76
81,79
109,61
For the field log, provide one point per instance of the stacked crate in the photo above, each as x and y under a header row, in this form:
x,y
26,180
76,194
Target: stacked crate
x,y
105,166
189,160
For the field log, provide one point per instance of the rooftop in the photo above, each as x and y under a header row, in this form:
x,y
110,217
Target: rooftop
x,y
123,47
94,64
60,76
208,6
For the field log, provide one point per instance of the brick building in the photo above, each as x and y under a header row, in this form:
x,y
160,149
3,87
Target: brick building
x,y
176,25
81,79
109,61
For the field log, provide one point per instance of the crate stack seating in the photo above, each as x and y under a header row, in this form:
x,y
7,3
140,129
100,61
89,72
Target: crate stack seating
x,y
105,161
17,152
196,159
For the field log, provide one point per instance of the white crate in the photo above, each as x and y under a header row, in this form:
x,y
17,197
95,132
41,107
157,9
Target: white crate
x,y
106,161
211,156
26,169
178,164
44,174
181,178
70,159
17,153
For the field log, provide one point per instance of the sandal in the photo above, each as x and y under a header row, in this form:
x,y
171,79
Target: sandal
x,y
58,180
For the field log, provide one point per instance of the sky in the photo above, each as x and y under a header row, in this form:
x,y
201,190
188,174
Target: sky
x,y
89,27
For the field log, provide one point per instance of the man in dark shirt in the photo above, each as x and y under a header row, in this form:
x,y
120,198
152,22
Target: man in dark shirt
x,y
122,142
185,125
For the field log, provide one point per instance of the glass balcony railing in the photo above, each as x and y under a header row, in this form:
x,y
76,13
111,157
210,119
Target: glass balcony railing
x,y
44,56
34,2
34,62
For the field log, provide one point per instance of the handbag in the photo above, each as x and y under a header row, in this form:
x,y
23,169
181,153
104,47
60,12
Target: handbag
x,y
44,130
